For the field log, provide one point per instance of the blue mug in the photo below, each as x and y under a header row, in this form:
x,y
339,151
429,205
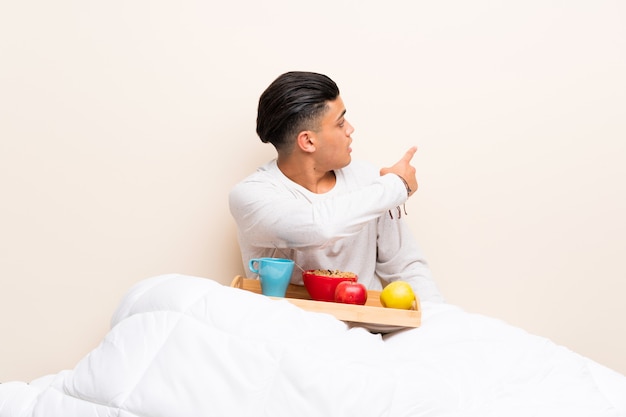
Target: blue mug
x,y
274,274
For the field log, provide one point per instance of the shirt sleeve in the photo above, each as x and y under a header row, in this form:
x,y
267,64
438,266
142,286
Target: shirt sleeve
x,y
401,258
269,213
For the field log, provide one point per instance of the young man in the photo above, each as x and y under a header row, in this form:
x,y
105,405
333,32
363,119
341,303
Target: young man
x,y
314,205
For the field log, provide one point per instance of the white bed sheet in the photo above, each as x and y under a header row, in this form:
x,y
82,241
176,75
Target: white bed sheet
x,y
187,346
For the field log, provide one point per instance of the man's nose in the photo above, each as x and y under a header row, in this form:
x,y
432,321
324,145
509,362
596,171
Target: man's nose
x,y
350,129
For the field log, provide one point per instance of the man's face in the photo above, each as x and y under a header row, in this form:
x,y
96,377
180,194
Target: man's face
x,y
332,145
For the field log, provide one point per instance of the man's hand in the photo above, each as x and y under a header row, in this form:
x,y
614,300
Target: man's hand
x,y
404,169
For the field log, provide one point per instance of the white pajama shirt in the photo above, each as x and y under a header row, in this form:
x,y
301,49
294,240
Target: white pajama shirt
x,y
348,228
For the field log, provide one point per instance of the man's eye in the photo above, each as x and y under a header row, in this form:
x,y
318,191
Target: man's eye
x,y
342,123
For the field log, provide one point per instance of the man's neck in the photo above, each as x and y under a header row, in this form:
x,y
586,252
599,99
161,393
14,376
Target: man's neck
x,y
304,173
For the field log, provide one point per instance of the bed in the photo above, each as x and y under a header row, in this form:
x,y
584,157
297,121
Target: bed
x,y
189,346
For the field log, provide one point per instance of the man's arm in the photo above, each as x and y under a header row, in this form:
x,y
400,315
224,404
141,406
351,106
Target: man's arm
x,y
268,213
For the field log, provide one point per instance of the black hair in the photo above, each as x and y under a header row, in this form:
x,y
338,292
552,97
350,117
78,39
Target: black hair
x,y
291,104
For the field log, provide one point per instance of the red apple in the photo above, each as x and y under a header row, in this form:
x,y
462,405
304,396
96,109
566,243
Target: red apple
x,y
350,292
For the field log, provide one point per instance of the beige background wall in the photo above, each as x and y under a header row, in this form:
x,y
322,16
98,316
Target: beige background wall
x,y
123,124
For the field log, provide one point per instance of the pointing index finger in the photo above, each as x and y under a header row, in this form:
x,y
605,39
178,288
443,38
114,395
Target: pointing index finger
x,y
409,154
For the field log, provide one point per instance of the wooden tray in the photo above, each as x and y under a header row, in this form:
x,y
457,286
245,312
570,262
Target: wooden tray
x,y
372,315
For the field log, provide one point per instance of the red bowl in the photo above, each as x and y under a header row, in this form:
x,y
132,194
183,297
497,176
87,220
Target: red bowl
x,y
322,287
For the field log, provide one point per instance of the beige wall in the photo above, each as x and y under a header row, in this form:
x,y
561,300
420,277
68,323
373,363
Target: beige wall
x,y
123,125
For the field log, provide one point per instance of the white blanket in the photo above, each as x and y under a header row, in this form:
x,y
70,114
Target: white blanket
x,y
186,346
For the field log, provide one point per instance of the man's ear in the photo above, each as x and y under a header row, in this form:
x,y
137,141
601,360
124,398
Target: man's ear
x,y
306,141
